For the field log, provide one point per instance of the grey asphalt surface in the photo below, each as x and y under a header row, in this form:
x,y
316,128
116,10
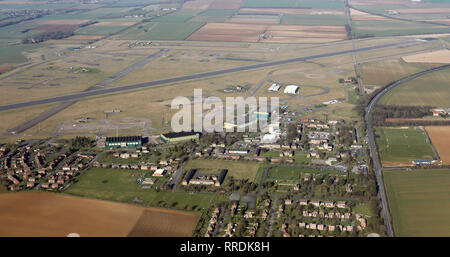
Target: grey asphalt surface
x,y
65,104
373,151
78,96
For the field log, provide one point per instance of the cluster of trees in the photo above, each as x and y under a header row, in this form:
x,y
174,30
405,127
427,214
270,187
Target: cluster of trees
x,y
81,142
292,133
47,36
23,15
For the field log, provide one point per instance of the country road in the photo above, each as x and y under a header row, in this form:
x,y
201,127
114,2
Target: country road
x,y
372,145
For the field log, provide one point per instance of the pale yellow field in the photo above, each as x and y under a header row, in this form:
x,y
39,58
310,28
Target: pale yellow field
x,y
441,56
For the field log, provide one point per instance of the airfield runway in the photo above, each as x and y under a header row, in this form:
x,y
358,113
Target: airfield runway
x,y
84,94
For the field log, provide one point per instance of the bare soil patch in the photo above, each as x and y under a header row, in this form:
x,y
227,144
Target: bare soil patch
x,y
164,223
57,215
440,137
440,56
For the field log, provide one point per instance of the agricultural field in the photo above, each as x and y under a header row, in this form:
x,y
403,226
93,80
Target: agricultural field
x,y
384,28
241,32
14,54
428,90
440,56
419,201
319,4
120,185
177,31
392,69
400,146
28,213
313,19
237,169
440,137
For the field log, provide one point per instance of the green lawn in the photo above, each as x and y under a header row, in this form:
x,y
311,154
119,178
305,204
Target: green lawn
x,y
402,145
120,185
419,201
287,173
431,89
237,169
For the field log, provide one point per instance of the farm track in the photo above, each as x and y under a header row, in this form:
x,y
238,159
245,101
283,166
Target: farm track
x,y
372,145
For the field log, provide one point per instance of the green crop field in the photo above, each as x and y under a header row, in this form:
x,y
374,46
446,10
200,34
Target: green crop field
x,y
237,169
162,31
403,145
98,30
431,89
120,185
320,4
392,69
13,54
395,28
419,201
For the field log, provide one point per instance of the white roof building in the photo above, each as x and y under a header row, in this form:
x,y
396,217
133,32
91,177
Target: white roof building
x,y
269,138
291,89
159,173
275,87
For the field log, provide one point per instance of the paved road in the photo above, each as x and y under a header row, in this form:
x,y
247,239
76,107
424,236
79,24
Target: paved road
x,y
65,104
78,96
373,151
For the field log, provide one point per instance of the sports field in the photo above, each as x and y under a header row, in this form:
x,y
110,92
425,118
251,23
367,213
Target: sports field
x,y
419,201
237,169
400,146
56,215
284,173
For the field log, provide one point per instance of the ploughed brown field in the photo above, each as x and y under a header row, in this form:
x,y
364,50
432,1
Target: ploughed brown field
x,y
57,215
241,32
440,137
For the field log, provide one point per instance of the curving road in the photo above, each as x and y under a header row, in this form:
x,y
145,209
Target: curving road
x,y
78,96
372,146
